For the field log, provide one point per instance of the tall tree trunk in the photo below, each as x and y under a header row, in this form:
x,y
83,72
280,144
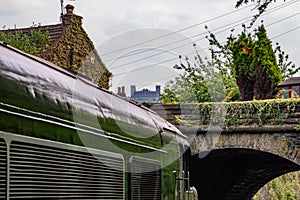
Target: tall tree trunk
x,y
245,85
263,87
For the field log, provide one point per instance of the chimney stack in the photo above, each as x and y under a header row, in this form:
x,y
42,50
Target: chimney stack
x,y
66,18
121,91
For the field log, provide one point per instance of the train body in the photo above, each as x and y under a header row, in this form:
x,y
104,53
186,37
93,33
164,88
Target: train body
x,y
62,137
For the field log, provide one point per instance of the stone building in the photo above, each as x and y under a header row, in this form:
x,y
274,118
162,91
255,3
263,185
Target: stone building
x,y
71,48
145,95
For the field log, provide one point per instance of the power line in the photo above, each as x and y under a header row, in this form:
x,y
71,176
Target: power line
x,y
287,32
144,58
203,33
224,26
178,31
191,53
148,66
291,30
173,76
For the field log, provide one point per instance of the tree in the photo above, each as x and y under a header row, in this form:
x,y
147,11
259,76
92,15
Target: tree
x,y
202,81
258,69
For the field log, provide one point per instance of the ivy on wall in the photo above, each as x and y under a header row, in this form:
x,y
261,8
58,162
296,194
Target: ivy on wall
x,y
258,112
76,51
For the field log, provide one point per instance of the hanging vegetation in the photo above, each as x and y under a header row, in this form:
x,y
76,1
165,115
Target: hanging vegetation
x,y
230,114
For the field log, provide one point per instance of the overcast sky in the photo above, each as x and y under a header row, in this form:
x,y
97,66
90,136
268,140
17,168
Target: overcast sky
x,y
119,29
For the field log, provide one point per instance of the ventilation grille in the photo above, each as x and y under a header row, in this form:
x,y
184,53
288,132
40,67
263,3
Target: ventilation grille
x,y
2,169
145,179
40,172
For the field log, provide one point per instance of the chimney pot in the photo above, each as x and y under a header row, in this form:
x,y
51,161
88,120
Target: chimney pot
x,y
69,8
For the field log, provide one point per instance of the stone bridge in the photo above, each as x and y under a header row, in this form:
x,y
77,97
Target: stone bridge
x,y
238,148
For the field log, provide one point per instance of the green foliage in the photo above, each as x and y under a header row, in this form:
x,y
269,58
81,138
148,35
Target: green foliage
x,y
245,67
253,63
177,91
202,81
36,43
287,67
286,187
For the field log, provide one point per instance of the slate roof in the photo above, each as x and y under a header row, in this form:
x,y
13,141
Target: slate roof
x,y
290,81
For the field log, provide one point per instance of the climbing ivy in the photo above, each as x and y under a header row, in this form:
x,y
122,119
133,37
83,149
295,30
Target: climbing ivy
x,y
260,112
76,51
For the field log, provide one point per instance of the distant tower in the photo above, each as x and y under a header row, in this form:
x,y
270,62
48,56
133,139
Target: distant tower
x,y
157,89
132,89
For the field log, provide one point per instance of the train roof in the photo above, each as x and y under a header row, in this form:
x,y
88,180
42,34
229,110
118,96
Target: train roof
x,y
41,82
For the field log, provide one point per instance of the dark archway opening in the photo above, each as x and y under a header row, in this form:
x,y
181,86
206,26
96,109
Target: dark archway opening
x,y
236,173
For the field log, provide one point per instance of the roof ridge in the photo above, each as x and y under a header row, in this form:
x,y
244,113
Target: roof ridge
x,y
290,81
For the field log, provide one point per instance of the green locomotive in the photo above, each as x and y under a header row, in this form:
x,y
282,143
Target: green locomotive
x,y
62,137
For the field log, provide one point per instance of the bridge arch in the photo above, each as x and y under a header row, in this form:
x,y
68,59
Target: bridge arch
x,y
236,173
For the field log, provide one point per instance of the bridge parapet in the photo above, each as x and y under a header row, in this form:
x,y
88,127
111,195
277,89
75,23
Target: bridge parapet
x,y
271,126
226,114
238,147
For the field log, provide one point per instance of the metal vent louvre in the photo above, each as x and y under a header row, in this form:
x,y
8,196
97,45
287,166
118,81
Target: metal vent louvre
x,y
42,172
145,179
3,162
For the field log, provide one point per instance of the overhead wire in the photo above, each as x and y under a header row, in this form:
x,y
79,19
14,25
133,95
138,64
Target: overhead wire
x,y
224,26
287,3
289,31
165,61
153,55
191,53
173,76
178,31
